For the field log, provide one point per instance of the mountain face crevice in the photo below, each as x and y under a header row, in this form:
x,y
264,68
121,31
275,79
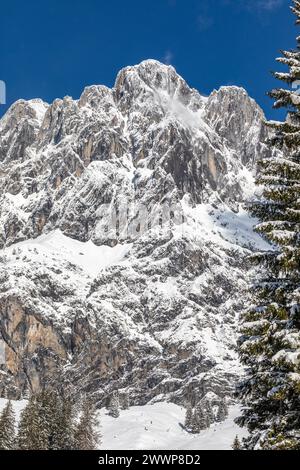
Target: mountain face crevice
x,y
123,237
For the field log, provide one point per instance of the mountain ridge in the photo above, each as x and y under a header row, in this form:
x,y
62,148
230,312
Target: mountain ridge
x,y
158,173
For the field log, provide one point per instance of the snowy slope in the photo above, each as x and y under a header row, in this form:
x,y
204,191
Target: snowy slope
x,y
157,427
86,255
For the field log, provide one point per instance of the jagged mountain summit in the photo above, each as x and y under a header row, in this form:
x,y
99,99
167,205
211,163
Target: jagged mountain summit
x,y
123,237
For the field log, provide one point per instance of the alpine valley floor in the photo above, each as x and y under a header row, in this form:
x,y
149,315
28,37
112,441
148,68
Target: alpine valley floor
x,y
156,427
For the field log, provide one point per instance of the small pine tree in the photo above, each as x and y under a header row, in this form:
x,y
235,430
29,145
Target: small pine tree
x,y
7,428
126,401
222,412
200,419
236,444
87,436
188,418
114,405
208,410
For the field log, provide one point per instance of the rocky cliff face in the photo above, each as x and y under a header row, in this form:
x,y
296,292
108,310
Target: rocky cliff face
x,y
123,237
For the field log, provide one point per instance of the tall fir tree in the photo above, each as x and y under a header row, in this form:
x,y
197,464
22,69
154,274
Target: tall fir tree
x,y
7,428
41,423
48,423
87,435
32,431
48,407
64,432
270,342
56,414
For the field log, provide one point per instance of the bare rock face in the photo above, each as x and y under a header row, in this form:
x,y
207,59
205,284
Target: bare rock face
x,y
122,237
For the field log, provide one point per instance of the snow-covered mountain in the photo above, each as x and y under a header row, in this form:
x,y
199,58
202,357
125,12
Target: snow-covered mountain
x,y
123,237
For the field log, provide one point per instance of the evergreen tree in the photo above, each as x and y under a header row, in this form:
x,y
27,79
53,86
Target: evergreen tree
x,y
87,437
200,419
195,427
114,405
23,429
40,423
222,412
65,430
32,432
25,394
270,345
236,444
57,415
208,410
188,418
125,401
7,428
49,409
48,423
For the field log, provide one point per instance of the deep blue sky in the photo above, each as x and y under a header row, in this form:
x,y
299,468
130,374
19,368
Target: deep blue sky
x,y
53,48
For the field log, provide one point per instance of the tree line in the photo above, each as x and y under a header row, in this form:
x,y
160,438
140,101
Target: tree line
x,y
50,422
202,416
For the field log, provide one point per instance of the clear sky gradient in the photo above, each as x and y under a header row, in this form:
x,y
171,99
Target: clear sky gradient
x,y
53,48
